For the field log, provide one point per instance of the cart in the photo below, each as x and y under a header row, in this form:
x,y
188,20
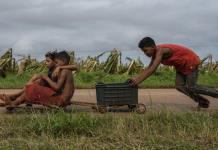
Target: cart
x,y
113,95
116,95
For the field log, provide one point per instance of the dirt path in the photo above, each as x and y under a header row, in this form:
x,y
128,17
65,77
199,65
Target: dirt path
x,y
156,99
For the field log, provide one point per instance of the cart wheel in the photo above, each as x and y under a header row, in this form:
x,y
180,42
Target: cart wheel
x,y
95,108
140,108
132,107
68,108
102,109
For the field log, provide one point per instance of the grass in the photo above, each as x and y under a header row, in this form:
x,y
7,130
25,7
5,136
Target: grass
x,y
161,79
154,130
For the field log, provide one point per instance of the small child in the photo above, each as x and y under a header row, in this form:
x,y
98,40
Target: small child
x,y
58,93
50,64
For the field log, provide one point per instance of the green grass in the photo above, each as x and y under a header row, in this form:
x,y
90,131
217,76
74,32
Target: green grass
x,y
154,130
161,79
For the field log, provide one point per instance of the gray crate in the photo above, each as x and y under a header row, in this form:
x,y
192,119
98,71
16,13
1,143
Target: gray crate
x,y
116,94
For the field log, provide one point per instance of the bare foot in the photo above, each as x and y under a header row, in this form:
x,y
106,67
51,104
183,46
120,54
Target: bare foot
x,y
5,99
2,104
11,97
1,96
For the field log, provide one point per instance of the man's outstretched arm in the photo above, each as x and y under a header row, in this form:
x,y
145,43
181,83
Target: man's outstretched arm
x,y
150,70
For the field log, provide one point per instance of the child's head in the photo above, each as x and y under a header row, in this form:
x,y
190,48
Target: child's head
x,y
62,58
148,46
49,59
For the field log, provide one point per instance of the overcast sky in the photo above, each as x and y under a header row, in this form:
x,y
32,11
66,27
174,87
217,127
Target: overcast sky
x,y
91,26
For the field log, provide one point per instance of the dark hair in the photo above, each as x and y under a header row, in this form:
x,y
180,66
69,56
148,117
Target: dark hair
x,y
146,42
51,55
63,56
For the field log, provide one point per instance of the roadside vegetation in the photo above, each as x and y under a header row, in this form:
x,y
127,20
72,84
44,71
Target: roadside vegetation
x,y
153,130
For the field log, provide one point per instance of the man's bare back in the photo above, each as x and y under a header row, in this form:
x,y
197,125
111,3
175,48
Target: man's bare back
x,y
68,88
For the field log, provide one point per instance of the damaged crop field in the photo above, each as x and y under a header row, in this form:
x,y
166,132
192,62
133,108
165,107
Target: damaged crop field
x,y
15,73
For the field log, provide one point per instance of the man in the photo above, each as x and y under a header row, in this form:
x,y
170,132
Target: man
x,y
186,63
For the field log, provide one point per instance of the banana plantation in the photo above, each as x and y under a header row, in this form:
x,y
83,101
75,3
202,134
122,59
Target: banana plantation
x,y
111,65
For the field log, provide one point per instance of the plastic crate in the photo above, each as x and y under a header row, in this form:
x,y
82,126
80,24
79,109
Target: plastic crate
x,y
116,94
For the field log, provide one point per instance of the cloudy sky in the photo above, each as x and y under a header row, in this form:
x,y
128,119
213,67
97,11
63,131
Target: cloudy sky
x,y
91,26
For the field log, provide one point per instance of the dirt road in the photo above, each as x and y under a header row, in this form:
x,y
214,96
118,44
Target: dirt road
x,y
169,99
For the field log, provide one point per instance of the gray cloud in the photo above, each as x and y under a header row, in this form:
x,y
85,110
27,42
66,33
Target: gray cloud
x,y
33,27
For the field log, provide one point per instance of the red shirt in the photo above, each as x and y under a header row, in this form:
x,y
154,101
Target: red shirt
x,y
183,59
